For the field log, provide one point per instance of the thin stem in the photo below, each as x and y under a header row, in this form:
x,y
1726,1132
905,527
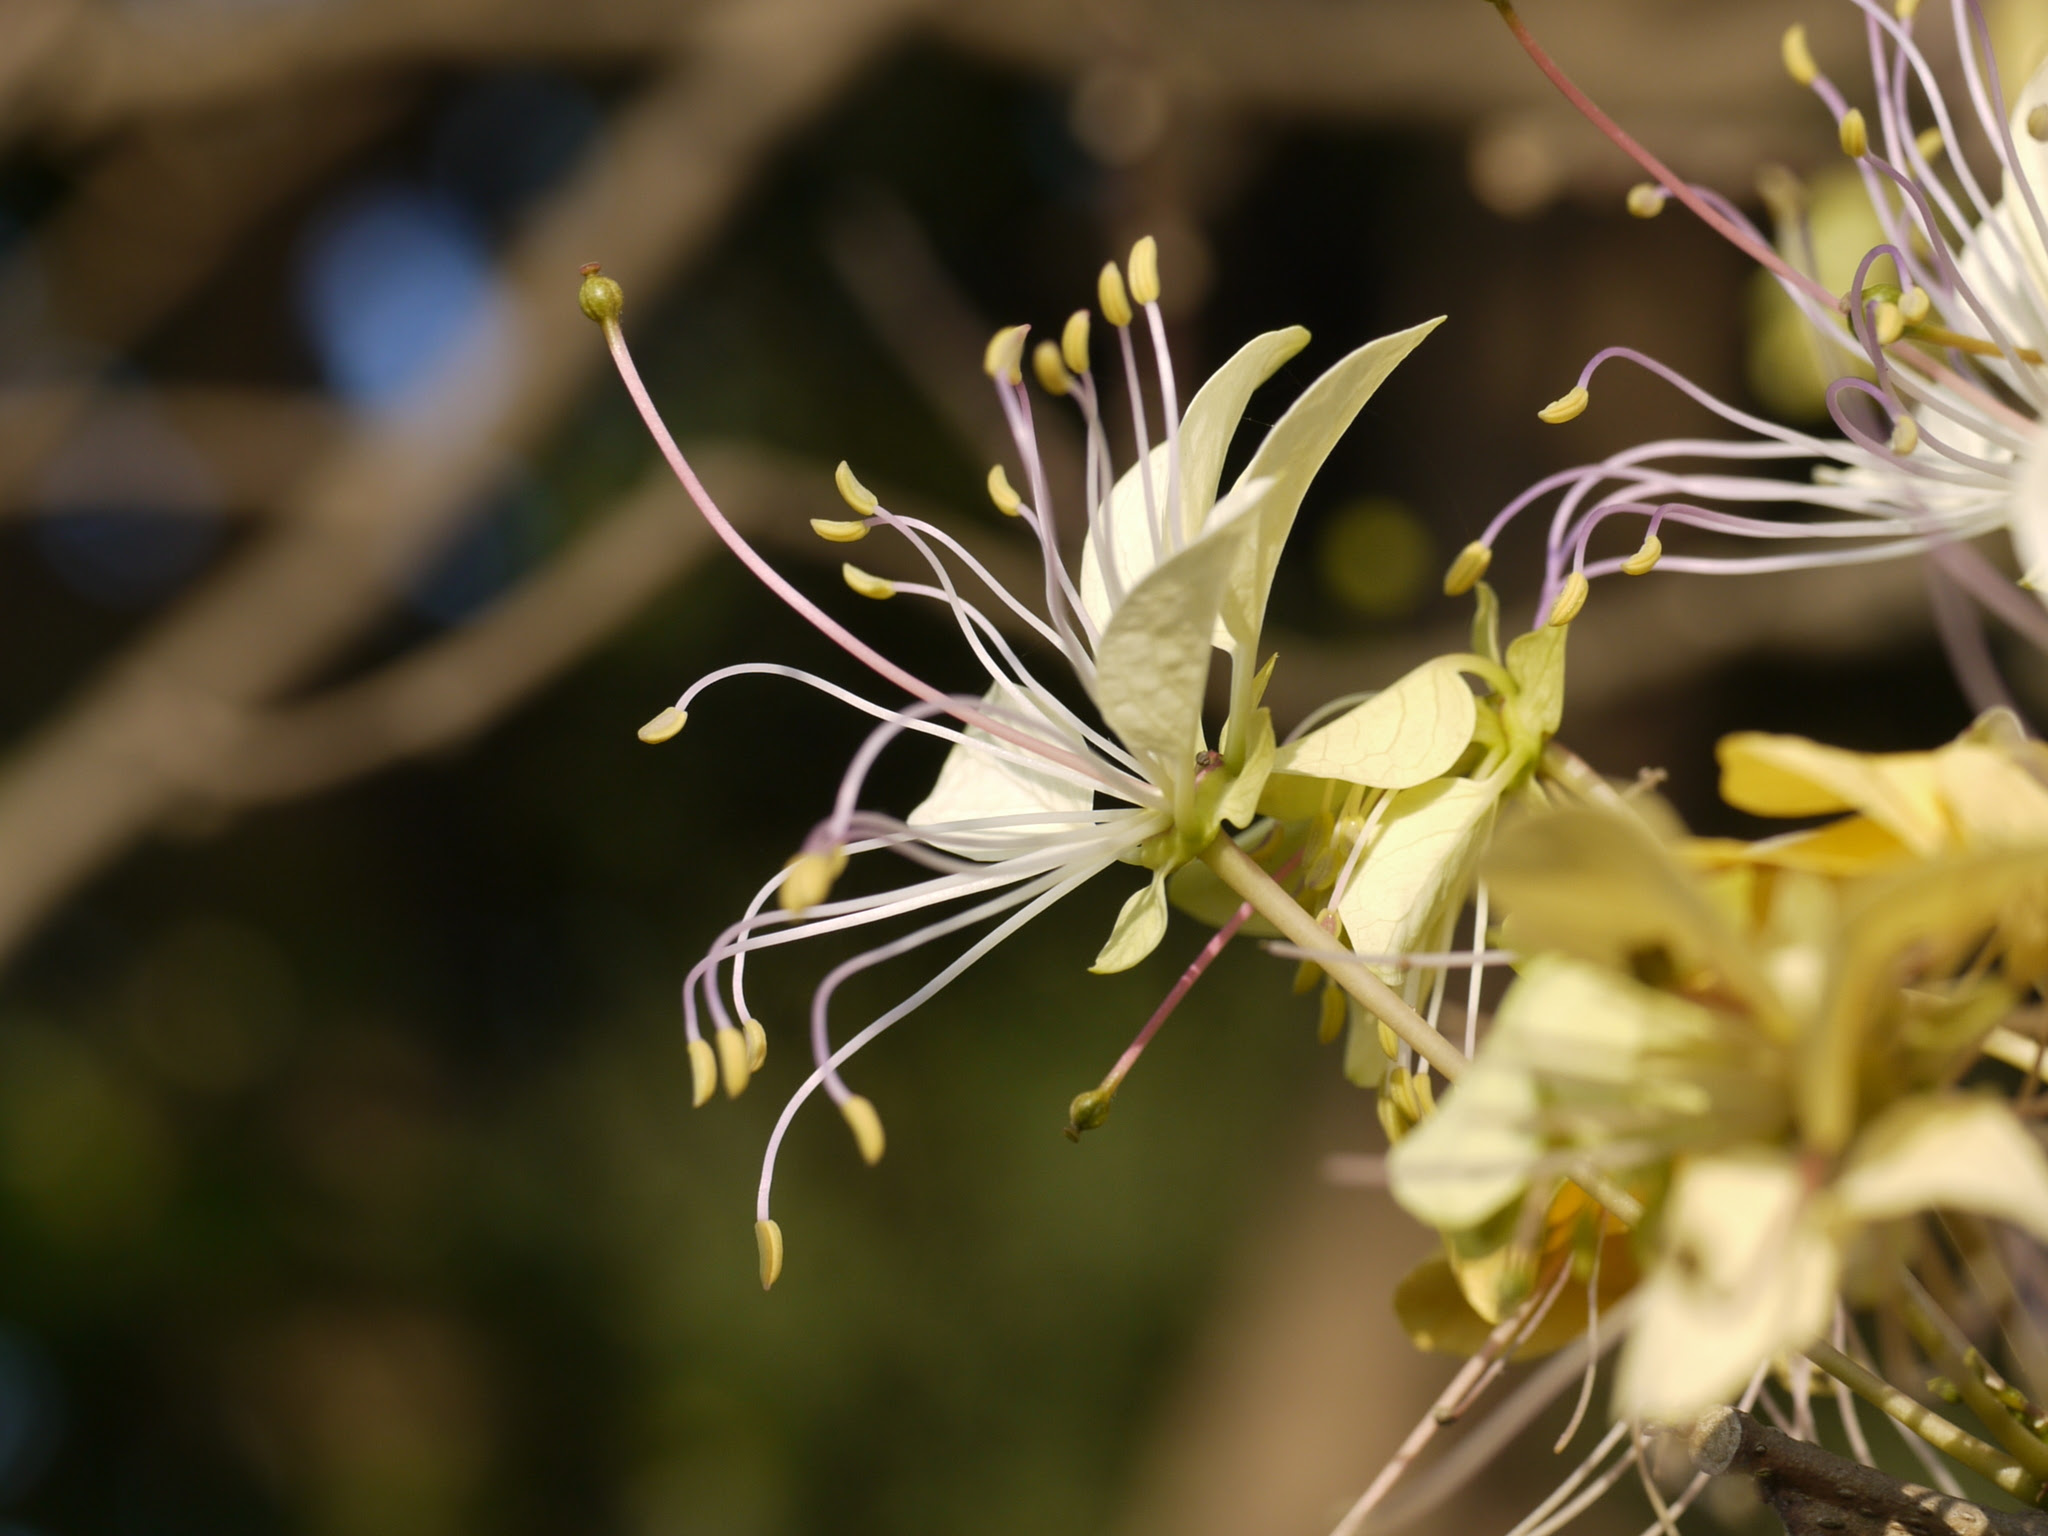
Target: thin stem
x,y
1950,1439
1238,870
1712,217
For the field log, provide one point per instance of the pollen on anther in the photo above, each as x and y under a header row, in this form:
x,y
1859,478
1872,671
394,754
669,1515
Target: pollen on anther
x,y
1905,435
1002,493
1854,134
810,879
839,530
852,492
1569,600
768,1239
1646,200
1003,360
703,1073
757,1044
1644,559
1915,305
1111,298
1798,56
866,583
1074,341
1889,321
2037,124
866,1126
1929,143
1144,268
663,726
732,1061
1566,407
1466,570
1051,369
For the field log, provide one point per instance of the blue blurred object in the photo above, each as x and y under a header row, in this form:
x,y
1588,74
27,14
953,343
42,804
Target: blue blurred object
x,y
31,1416
129,510
508,137
389,278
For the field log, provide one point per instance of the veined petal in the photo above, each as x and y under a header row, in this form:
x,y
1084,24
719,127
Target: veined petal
x,y
1472,1157
975,783
1959,1152
1140,925
1407,887
1152,666
1405,735
1290,456
1746,1273
1205,432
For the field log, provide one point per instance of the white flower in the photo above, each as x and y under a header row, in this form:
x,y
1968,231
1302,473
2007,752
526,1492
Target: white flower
x,y
1032,799
1939,388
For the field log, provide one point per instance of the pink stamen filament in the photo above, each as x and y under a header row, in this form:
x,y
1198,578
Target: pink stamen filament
x,y
773,579
1204,958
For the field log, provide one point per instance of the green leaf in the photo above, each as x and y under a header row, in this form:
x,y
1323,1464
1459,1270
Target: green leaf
x,y
1536,708
1405,735
1290,456
974,782
1152,664
1486,623
1139,928
1745,1274
1208,425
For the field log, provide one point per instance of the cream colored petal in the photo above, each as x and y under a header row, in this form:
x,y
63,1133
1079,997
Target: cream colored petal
x,y
974,782
1993,800
1959,1152
1407,889
1791,776
1474,1156
1743,1275
1152,665
1290,456
1140,925
1206,429
1407,734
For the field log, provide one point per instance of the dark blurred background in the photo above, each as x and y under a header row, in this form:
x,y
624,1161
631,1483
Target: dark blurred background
x,y
348,1182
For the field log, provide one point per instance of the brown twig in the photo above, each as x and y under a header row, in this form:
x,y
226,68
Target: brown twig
x,y
1817,1493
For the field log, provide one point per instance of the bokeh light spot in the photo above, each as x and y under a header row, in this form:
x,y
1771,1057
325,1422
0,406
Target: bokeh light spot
x,y
1376,557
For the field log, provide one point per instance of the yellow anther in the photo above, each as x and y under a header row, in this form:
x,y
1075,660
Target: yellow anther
x,y
757,1044
1390,1043
1004,358
1330,1018
1915,305
1854,133
855,495
1401,1089
1111,298
1645,559
1889,321
1145,271
1423,1087
1645,200
703,1073
768,1238
600,298
1002,493
1391,1120
866,1126
1569,600
1905,435
1906,10
1052,373
2034,577
1798,56
1074,341
844,530
866,583
1566,407
1466,570
663,726
2037,124
732,1060
810,879
1929,143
